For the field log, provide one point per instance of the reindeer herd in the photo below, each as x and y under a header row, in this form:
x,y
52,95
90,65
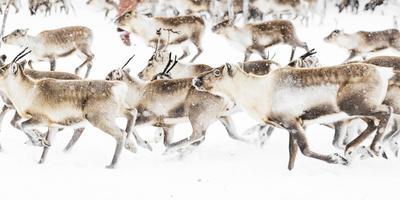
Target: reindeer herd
x,y
357,98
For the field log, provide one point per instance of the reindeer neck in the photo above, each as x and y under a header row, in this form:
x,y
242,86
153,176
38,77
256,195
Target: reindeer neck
x,y
135,89
348,41
244,86
239,35
29,41
145,27
19,89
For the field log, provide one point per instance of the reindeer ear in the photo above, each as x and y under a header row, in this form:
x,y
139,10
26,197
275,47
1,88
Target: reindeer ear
x,y
14,68
3,57
229,69
22,64
24,31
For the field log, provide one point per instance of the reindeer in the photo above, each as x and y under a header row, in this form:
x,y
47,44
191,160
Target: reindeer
x,y
186,28
65,103
354,4
165,103
52,44
364,42
257,37
372,4
16,4
35,75
34,5
329,92
106,5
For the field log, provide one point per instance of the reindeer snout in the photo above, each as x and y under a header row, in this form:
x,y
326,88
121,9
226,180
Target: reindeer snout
x,y
140,75
197,82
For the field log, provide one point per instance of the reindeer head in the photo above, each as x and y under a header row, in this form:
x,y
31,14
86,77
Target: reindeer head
x,y
218,28
15,69
216,80
158,60
125,18
16,37
335,34
165,74
3,60
119,74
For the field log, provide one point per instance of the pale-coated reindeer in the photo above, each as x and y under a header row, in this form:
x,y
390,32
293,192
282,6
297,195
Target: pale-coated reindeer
x,y
165,103
34,5
8,106
65,103
322,94
187,28
52,44
363,42
106,5
258,37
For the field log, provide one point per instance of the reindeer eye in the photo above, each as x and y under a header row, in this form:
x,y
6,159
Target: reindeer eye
x,y
128,14
217,73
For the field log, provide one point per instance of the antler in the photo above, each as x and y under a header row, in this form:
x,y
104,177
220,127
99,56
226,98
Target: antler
x,y
173,64
20,55
128,61
169,67
309,53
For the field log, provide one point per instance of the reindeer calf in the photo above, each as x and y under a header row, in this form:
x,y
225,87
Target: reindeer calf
x,y
257,37
52,44
187,28
363,41
65,103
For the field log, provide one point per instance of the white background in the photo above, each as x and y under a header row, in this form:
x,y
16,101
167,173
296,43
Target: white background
x,y
220,168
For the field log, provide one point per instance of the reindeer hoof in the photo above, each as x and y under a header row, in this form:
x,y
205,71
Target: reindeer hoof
x,y
146,145
338,159
130,146
110,166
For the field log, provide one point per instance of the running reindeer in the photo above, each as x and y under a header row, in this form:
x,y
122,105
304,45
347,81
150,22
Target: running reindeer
x,y
34,5
64,103
165,103
322,94
8,106
52,44
187,28
354,4
363,42
258,37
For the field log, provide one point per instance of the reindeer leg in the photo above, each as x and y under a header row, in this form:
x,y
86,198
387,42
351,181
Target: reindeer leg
x,y
350,150
292,152
168,135
292,53
89,57
107,124
4,111
75,137
298,133
15,120
35,138
49,138
196,41
231,129
384,117
52,64
247,53
353,53
340,134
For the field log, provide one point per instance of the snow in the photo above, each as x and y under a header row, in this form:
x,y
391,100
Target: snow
x,y
220,168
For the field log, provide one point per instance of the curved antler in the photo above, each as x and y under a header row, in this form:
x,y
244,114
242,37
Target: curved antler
x,y
18,56
173,65
128,61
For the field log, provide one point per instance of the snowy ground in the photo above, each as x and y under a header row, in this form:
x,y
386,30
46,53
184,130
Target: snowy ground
x,y
220,168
